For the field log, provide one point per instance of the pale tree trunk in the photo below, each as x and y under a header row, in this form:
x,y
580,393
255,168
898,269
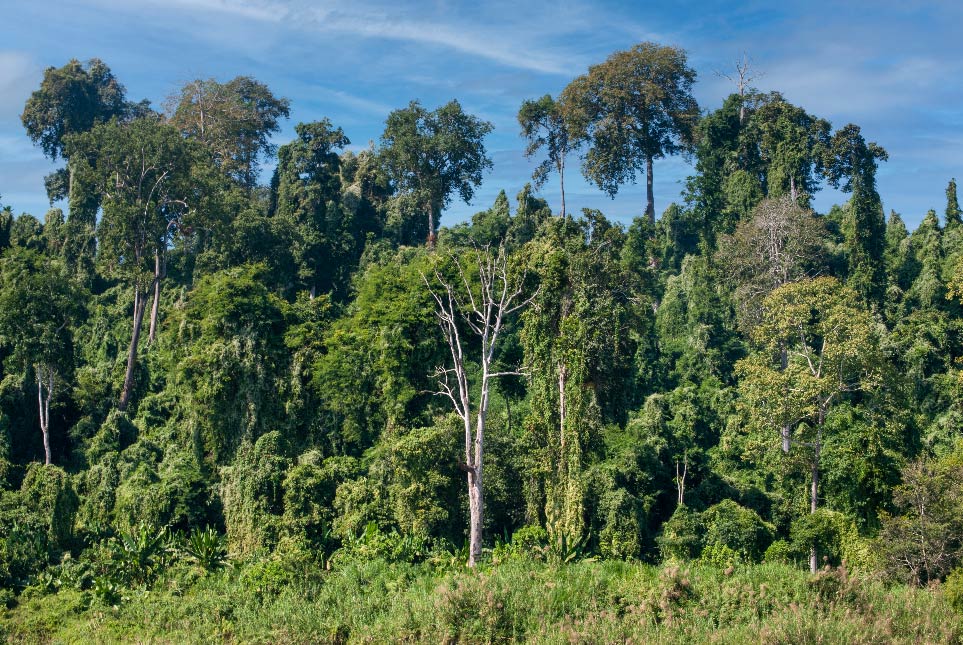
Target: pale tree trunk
x,y
680,479
562,374
814,487
793,193
476,492
484,315
43,402
649,195
813,562
160,270
140,302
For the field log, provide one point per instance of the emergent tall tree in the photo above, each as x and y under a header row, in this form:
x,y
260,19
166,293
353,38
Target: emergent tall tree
x,y
634,108
850,165
430,155
71,100
480,298
233,120
142,171
952,206
543,126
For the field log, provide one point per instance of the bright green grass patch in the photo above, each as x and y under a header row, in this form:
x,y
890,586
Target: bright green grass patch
x,y
584,602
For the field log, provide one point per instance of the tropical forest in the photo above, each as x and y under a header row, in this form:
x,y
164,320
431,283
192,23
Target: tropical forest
x,y
263,391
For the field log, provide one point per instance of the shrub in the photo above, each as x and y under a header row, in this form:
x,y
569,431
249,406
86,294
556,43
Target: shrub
x,y
24,542
953,589
829,531
681,537
252,493
737,528
779,552
208,548
292,563
720,555
47,492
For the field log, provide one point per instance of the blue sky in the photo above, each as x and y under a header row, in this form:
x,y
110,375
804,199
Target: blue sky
x,y
892,68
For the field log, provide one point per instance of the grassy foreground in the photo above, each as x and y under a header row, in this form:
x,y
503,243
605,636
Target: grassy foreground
x,y
584,602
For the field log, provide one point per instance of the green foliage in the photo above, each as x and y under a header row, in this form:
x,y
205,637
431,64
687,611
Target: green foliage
x,y
234,121
232,357
431,154
922,541
828,531
47,492
682,533
685,389
252,494
71,99
779,552
635,107
953,589
139,554
737,528
207,547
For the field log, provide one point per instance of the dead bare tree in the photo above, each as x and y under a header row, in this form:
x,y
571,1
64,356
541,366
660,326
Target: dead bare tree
x,y
478,301
741,77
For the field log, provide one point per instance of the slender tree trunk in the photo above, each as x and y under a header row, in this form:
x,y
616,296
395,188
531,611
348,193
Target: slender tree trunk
x,y
561,182
431,227
155,305
814,491
784,360
793,193
476,496
649,196
140,302
43,402
680,479
562,373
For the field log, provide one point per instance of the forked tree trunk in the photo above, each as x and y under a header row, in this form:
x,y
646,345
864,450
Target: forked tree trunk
x,y
140,302
484,315
649,194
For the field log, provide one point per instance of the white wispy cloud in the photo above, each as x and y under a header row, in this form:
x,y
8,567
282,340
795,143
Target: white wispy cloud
x,y
505,44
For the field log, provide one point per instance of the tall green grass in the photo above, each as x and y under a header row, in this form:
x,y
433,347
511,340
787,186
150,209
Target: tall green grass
x,y
516,601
